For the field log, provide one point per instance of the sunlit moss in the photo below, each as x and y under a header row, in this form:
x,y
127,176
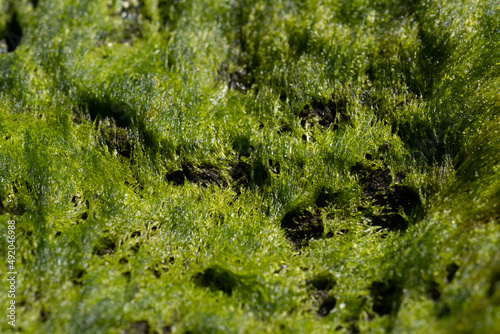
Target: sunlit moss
x,y
154,153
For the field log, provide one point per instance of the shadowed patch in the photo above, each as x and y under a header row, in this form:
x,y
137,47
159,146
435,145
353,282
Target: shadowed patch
x,y
300,226
451,270
217,278
118,139
385,296
104,246
322,284
140,327
327,114
326,198
204,175
379,190
14,33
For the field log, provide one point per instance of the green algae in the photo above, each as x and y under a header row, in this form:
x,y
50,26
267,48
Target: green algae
x,y
151,151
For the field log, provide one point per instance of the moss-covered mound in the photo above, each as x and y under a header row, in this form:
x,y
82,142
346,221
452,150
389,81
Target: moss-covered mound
x,y
250,166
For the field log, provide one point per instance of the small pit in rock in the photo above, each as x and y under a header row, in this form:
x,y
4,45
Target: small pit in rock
x,y
241,145
217,278
433,291
379,190
326,198
451,271
240,80
14,33
373,181
104,246
118,139
176,177
301,226
204,176
78,276
385,296
245,174
389,220
327,114
241,174
322,283
140,327
328,303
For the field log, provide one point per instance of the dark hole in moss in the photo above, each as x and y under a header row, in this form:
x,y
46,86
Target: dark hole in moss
x,y
275,166
241,145
451,270
327,305
104,246
240,80
135,248
443,311
156,272
58,233
390,221
378,188
323,281
372,180
325,198
404,197
100,108
300,226
217,278
385,296
494,283
123,260
352,329
331,113
166,329
241,174
44,314
14,33
433,291
84,216
18,209
260,173
78,276
176,177
127,275
204,175
140,327
34,3
160,267
285,129
118,139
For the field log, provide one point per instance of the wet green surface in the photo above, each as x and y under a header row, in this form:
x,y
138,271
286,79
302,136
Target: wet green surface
x,y
251,166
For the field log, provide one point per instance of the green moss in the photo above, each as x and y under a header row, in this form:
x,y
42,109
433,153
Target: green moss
x,y
251,166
